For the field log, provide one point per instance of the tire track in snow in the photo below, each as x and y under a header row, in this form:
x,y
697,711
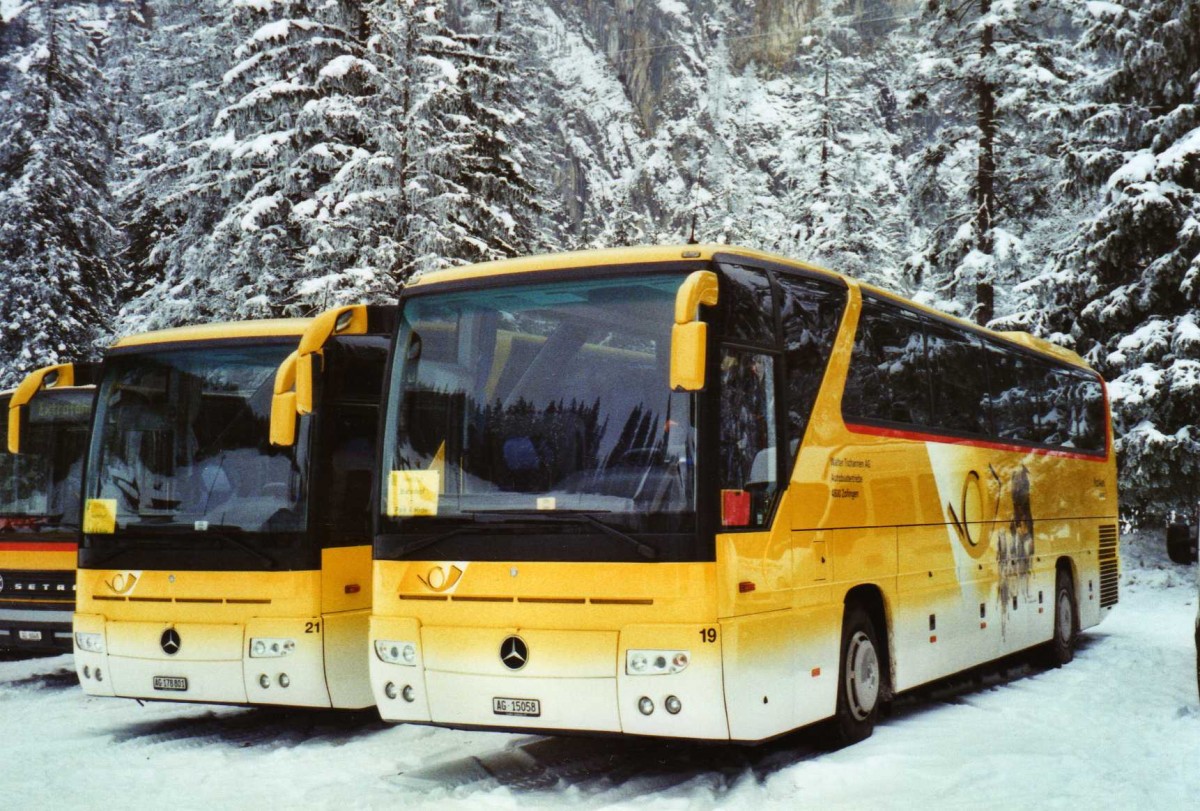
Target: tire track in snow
x,y
276,728
600,771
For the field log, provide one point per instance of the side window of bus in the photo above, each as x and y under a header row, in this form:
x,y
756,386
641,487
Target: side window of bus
x,y
749,311
1072,410
1053,418
1015,394
811,311
959,379
748,466
887,381
1085,422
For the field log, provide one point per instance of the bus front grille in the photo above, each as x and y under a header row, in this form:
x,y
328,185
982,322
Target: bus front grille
x,y
1109,574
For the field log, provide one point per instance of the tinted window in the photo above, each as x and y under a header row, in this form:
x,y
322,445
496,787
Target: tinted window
x,y
887,379
1015,394
812,311
746,299
355,382
1054,406
749,464
956,382
958,379
1072,410
1086,426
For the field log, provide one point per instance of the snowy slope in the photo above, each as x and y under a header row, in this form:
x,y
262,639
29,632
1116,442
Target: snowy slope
x,y
1114,729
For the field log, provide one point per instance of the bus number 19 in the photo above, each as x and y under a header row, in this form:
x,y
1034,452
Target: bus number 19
x,y
708,635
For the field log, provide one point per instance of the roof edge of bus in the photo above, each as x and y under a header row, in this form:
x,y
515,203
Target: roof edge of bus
x,y
1045,347
638,254
219,331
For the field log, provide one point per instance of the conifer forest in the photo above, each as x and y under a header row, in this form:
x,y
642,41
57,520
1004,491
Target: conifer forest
x,y
1026,164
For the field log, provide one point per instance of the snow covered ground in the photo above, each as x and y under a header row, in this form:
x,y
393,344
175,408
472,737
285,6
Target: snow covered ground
x,y
1117,728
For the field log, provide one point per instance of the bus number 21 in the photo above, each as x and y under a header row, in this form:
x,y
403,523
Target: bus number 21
x,y
708,635
312,627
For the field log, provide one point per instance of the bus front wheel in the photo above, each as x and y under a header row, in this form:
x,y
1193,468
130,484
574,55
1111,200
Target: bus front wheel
x,y
860,680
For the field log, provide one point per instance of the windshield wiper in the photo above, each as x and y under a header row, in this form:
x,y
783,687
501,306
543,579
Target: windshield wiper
x,y
572,517
421,543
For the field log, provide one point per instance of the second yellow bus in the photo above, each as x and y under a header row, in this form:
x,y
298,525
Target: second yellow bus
x,y
710,493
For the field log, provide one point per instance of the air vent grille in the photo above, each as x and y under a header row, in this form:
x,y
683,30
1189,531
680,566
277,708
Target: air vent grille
x,y
1109,569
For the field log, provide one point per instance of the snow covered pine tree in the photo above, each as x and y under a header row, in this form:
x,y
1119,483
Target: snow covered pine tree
x,y
1127,290
55,233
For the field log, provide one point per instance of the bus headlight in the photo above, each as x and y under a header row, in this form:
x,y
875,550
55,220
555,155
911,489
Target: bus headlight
x,y
655,662
262,647
396,653
92,643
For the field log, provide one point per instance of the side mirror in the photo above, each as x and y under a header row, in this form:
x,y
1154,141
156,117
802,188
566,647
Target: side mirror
x,y
689,335
283,404
294,380
57,376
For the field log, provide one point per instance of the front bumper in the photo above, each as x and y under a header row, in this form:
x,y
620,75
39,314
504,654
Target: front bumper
x,y
211,663
578,680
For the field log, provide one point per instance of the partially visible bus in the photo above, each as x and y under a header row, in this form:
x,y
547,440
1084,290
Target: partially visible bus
x,y
39,507
709,493
214,565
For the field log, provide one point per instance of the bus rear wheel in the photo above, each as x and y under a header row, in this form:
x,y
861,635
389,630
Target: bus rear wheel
x,y
861,678
1061,648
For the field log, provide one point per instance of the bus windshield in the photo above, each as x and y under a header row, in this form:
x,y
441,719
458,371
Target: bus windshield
x,y
540,405
181,442
39,487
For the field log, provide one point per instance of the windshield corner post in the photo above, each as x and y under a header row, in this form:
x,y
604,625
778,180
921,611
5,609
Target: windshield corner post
x,y
58,375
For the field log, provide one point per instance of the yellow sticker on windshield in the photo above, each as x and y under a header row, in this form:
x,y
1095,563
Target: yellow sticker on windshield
x,y
100,516
413,492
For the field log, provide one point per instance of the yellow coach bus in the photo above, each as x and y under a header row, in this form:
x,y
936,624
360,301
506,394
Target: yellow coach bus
x,y
709,493
39,506
225,552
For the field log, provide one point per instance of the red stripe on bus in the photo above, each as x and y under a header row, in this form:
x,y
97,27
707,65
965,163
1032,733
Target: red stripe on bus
x,y
20,546
917,436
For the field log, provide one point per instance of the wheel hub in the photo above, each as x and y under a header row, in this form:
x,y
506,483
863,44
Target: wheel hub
x,y
862,676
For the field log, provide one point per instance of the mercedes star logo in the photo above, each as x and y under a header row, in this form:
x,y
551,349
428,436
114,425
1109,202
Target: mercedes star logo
x,y
170,642
514,653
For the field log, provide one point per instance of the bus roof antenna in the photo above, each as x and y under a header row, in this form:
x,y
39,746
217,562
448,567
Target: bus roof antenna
x,y
692,236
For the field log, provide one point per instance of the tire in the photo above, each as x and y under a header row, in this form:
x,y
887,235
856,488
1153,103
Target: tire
x,y
1179,543
1061,648
862,682
1198,660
